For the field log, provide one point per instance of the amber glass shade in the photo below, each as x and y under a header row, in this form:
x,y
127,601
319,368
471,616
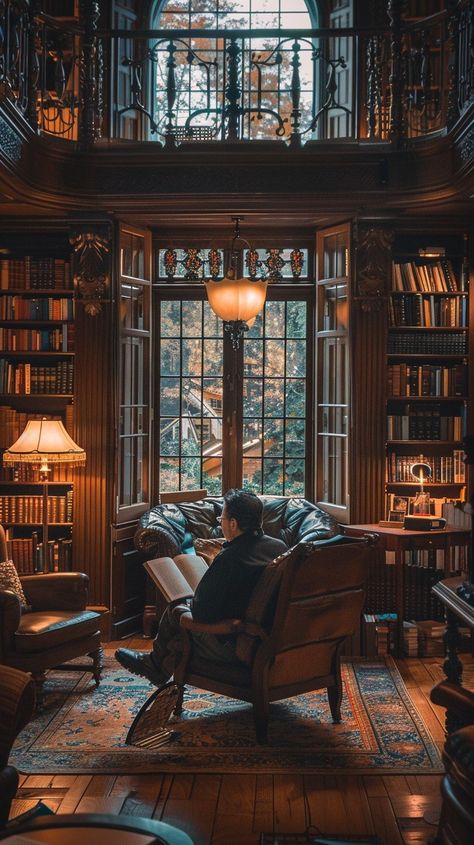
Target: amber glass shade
x,y
236,299
44,440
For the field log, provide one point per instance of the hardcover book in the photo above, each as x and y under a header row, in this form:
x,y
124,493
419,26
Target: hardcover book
x,y
176,578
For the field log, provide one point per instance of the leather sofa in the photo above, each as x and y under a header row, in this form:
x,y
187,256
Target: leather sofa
x,y
170,529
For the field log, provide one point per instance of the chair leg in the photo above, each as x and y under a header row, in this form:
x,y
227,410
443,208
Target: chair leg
x,y
335,698
178,708
261,709
97,664
39,679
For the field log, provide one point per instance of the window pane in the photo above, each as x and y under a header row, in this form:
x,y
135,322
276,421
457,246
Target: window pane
x,y
191,394
281,415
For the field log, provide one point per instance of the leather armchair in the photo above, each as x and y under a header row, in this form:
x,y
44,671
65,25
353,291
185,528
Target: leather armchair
x,y
456,824
56,627
304,606
170,529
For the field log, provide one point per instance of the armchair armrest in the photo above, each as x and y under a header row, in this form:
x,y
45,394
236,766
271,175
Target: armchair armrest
x,y
226,626
57,590
10,615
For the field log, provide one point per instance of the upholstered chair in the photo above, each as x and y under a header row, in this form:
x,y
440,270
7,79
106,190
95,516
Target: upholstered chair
x,y
53,628
307,602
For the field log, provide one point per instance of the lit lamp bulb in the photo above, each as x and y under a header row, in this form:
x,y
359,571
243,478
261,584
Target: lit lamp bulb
x,y
421,504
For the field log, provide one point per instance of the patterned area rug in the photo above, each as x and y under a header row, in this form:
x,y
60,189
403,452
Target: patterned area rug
x,y
83,728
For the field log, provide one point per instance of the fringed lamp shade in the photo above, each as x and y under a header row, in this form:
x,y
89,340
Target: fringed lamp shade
x,y
235,300
44,441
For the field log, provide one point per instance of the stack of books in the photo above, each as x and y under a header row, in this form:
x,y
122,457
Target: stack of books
x,y
430,637
410,639
379,633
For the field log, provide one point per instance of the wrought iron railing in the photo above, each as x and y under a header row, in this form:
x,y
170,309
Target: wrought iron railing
x,y
73,81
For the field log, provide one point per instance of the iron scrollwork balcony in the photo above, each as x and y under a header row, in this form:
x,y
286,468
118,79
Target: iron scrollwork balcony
x,y
234,86
199,85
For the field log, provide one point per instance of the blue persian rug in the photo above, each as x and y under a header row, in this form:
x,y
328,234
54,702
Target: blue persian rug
x,y
83,728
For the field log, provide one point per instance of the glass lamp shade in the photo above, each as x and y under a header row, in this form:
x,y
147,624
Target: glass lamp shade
x,y
44,441
236,299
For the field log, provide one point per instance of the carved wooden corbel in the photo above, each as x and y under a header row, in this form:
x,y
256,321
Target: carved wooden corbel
x,y
373,267
91,265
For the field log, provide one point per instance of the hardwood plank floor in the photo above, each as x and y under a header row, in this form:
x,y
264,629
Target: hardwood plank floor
x,y
233,809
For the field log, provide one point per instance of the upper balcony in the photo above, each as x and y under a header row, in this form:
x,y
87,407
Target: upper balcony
x,y
170,90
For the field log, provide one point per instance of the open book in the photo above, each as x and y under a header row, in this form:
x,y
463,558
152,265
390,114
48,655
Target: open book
x,y
176,578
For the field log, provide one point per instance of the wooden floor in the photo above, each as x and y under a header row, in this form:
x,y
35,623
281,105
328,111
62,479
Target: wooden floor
x,y
233,809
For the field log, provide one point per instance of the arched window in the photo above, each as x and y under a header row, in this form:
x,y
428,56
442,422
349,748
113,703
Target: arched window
x,y
232,67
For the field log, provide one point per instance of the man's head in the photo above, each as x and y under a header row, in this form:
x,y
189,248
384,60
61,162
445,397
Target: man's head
x,y
242,513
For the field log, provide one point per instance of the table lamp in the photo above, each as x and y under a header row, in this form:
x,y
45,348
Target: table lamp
x,y
44,442
421,518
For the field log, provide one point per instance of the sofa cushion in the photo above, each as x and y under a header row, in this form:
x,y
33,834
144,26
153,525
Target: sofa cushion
x,y
39,631
176,526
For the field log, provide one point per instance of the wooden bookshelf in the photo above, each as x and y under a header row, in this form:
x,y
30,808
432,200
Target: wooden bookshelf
x,y
36,380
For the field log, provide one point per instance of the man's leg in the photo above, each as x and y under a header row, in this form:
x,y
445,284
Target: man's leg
x,y
158,665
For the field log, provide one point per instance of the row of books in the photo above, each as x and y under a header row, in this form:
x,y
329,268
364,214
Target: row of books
x,y
450,561
29,509
421,310
427,343
13,423
445,469
426,380
29,558
30,273
32,308
418,600
38,340
431,277
425,422
28,378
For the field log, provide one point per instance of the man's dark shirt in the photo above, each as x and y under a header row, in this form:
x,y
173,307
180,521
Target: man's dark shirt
x,y
225,589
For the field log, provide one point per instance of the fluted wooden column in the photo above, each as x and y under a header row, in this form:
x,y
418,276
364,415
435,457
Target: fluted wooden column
x,y
94,407
369,323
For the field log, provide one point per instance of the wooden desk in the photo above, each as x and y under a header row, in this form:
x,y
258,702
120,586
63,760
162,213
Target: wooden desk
x,y
400,540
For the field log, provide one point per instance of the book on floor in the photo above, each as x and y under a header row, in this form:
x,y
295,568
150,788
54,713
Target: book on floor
x,y
176,578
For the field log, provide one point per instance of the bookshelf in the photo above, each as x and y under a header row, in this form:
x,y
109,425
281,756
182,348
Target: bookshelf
x,y
427,373
36,380
427,407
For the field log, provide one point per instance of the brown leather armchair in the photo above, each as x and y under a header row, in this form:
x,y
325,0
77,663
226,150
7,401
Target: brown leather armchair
x,y
456,824
17,703
56,627
304,606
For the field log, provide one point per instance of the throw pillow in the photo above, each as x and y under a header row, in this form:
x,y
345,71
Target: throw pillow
x,y
208,549
9,580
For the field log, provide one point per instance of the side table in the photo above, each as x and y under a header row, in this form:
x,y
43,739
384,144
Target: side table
x,y
400,540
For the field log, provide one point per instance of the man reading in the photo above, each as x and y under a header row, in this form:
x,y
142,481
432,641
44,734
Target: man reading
x,y
223,592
